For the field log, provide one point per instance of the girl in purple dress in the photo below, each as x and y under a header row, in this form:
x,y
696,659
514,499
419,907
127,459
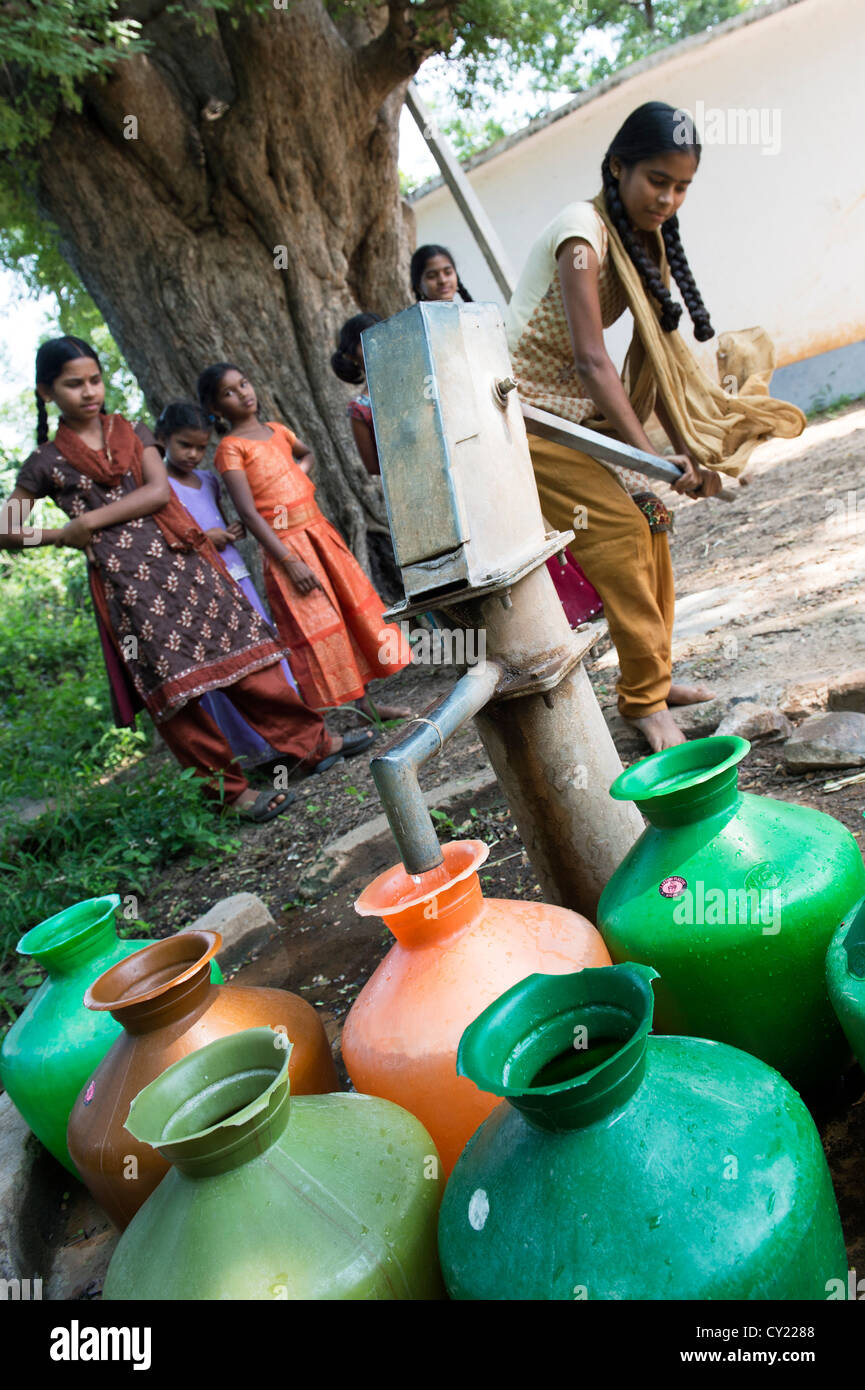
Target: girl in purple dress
x,y
183,432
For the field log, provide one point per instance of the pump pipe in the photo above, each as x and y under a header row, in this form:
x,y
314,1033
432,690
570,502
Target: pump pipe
x,y
395,769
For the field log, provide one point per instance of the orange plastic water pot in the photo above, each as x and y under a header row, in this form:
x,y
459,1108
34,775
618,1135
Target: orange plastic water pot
x,y
455,952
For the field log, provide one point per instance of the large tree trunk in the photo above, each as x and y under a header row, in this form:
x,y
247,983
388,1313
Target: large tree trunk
x,y
235,197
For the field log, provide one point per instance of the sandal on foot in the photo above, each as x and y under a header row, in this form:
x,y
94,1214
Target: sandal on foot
x,y
352,744
260,810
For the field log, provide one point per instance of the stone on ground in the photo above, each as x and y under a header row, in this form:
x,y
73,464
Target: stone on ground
x,y
699,721
243,921
848,692
79,1268
805,697
21,1251
752,721
827,740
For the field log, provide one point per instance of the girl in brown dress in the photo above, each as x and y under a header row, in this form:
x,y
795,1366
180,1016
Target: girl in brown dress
x,y
178,623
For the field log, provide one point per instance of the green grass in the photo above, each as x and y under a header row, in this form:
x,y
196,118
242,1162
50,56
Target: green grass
x,y
826,408
101,839
55,711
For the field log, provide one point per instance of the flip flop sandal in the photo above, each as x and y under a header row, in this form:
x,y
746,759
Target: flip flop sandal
x,y
352,745
260,811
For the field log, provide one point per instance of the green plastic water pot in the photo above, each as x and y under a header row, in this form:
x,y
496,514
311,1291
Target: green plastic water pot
x,y
51,1050
845,977
629,1166
272,1197
734,899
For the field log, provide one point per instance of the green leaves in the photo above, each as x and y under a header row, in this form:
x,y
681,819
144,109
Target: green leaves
x,y
104,838
50,49
563,42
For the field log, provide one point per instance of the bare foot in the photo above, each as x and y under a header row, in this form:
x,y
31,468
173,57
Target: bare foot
x,y
660,730
689,694
383,711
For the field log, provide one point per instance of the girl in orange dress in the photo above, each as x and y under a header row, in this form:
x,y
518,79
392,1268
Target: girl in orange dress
x,y
323,605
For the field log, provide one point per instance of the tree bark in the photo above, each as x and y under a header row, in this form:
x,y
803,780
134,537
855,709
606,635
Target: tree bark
x,y
234,197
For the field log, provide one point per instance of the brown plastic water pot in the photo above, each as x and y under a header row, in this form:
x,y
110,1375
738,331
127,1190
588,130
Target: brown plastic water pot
x,y
164,998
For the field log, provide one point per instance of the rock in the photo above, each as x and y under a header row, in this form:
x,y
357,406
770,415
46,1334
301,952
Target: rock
x,y
25,810
243,921
747,719
22,1254
79,1269
827,740
698,721
848,692
32,1187
805,697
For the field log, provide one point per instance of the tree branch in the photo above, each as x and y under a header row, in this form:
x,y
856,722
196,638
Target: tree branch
x,y
395,54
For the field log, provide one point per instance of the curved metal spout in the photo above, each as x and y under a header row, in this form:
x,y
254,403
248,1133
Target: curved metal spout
x,y
395,769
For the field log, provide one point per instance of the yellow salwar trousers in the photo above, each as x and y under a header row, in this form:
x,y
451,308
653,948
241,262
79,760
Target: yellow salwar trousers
x,y
628,564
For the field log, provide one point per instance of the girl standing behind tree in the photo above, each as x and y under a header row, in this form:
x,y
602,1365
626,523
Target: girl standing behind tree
x,y
348,364
324,607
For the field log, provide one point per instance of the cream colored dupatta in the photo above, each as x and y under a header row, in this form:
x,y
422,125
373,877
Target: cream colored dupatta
x,y
719,431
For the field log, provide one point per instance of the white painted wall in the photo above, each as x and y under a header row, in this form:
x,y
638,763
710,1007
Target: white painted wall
x,y
776,239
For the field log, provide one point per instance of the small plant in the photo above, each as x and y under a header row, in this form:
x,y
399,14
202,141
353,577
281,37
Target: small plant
x,y
107,838
444,822
360,795
824,406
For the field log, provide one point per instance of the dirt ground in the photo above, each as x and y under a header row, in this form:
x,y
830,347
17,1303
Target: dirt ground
x,y
770,604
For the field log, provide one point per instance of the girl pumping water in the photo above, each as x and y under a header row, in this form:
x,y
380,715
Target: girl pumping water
x,y
592,262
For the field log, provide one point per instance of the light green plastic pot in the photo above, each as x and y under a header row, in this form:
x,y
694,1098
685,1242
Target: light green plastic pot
x,y
271,1197
733,898
627,1166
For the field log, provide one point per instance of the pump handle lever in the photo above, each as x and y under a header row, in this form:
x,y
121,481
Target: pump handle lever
x,y
601,446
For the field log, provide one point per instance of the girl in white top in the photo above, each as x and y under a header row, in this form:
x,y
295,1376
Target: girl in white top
x,y
594,260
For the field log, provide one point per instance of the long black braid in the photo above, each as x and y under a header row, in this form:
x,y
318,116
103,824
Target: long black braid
x,y
656,128
684,278
42,430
